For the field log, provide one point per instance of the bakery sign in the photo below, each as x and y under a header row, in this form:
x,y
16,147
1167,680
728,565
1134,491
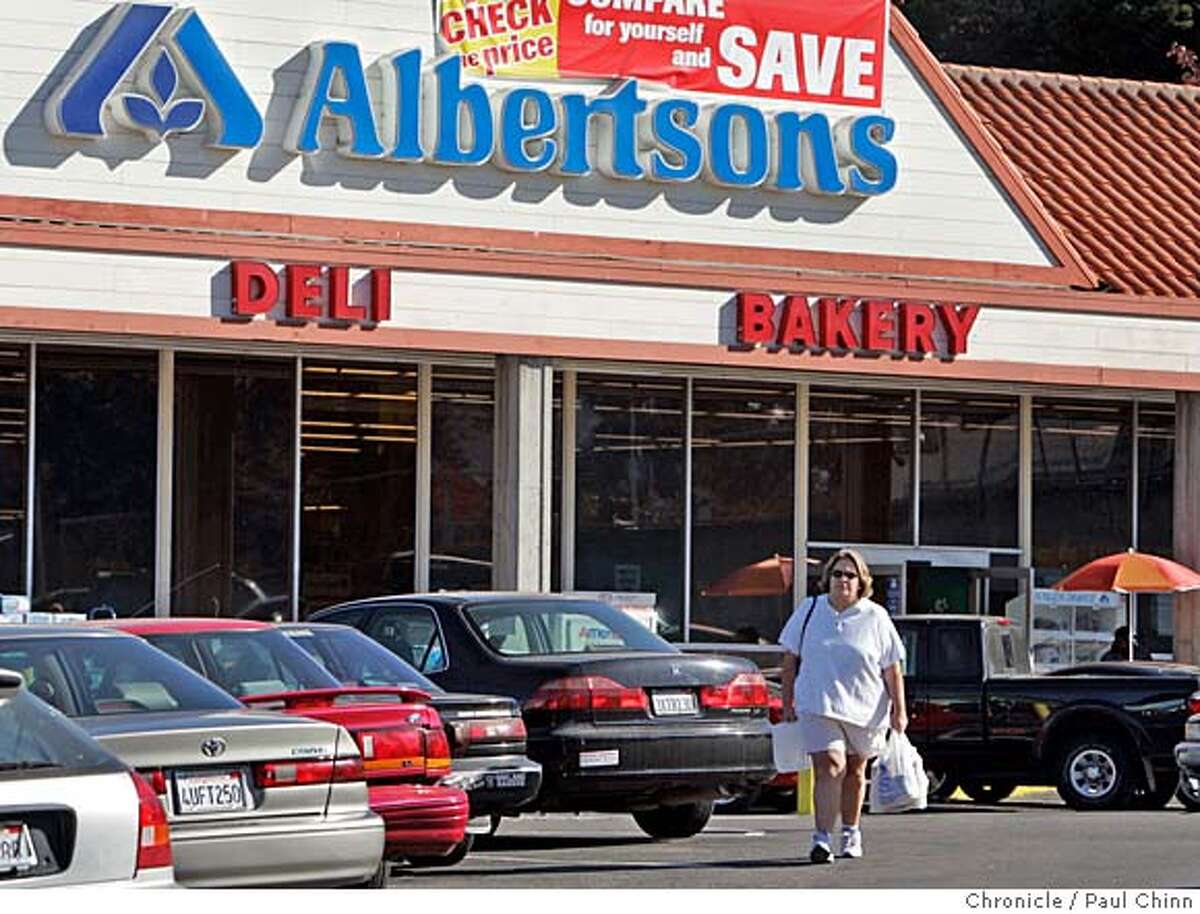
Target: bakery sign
x,y
778,95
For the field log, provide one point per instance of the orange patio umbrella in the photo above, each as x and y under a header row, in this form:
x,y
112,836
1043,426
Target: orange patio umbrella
x,y
1129,573
771,577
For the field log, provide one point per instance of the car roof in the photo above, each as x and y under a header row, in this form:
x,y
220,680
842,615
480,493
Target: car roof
x,y
74,630
464,597
180,625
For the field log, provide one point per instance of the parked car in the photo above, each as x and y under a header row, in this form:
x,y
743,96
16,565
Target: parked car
x,y
252,798
1104,734
486,732
70,812
620,720
1187,757
405,749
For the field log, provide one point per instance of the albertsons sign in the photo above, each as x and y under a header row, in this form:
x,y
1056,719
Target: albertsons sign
x,y
157,69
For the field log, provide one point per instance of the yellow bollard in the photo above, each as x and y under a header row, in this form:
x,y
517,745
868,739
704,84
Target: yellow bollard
x,y
804,791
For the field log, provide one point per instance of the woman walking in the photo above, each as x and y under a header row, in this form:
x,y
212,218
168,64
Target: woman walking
x,y
841,672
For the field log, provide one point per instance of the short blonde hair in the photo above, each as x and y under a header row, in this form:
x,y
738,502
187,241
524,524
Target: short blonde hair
x,y
865,583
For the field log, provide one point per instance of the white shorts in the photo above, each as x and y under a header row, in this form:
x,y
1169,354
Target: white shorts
x,y
822,734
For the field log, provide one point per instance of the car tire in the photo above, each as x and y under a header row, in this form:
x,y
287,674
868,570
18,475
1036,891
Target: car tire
x,y
942,785
674,821
378,879
988,792
1187,796
1096,772
454,857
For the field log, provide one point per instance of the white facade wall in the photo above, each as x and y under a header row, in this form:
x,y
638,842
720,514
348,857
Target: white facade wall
x,y
199,288
945,205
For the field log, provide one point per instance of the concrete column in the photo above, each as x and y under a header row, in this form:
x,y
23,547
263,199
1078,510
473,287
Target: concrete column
x,y
523,480
1187,521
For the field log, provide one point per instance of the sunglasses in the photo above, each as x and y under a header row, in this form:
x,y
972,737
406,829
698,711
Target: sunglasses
x,y
844,575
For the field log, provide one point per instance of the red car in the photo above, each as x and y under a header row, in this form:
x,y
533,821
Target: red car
x,y
404,746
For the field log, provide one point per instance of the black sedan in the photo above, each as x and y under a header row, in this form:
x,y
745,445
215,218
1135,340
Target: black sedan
x,y
620,720
486,734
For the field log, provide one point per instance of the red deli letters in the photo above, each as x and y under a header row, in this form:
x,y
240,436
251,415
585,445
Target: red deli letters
x,y
854,325
256,288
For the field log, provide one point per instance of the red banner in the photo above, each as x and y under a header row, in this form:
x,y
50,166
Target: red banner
x,y
799,50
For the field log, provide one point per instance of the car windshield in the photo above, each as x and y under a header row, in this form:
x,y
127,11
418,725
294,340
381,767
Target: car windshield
x,y
244,663
354,659
35,737
575,627
89,676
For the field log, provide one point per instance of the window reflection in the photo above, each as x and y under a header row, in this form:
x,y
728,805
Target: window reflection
x,y
970,463
861,472
1156,477
234,445
358,459
14,465
743,467
96,452
629,490
461,489
1081,470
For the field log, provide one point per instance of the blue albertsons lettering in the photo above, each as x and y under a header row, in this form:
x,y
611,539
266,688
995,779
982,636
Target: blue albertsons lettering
x,y
432,115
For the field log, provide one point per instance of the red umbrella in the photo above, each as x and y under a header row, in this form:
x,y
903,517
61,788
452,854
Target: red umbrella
x,y
1132,572
768,578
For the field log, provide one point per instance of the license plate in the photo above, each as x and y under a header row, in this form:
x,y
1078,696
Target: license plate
x,y
223,791
674,704
16,849
504,779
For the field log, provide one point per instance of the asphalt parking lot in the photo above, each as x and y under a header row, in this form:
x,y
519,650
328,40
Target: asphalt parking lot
x,y
1033,841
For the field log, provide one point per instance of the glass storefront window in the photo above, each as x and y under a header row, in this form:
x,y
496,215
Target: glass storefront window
x,y
743,468
96,449
860,466
14,465
629,492
1156,478
1081,483
358,466
461,490
970,468
234,446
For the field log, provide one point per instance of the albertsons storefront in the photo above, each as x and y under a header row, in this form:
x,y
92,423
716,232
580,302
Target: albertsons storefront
x,y
304,302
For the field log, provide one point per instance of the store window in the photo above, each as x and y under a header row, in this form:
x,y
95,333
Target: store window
x,y
1156,480
234,471
1081,483
358,464
860,466
743,472
96,449
970,467
14,465
629,491
463,413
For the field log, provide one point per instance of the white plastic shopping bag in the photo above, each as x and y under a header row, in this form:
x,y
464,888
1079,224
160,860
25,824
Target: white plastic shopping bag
x,y
788,747
898,779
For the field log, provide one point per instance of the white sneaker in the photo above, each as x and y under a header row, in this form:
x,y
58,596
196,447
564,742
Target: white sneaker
x,y
851,843
822,850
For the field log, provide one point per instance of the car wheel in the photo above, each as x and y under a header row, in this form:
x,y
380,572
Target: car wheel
x,y
941,785
455,856
1096,772
1188,793
988,792
674,821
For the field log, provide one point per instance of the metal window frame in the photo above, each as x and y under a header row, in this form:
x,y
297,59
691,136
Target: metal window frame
x,y
30,469
164,509
570,395
423,529
688,414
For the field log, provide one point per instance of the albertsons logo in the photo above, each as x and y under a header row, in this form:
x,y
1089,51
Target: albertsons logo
x,y
179,79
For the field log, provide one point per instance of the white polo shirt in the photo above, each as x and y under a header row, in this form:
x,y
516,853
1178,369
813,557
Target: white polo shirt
x,y
842,660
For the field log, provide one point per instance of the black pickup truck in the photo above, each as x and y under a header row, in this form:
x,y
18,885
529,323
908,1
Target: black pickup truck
x,y
1103,733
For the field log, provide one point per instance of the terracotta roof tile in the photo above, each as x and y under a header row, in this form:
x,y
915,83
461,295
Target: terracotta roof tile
x,y
1114,161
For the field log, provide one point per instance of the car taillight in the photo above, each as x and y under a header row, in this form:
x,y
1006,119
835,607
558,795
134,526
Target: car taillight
x,y
157,780
437,751
491,730
587,693
745,690
154,835
392,750
1194,703
292,774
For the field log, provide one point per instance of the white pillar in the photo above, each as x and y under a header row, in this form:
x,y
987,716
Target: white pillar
x,y
520,515
1187,521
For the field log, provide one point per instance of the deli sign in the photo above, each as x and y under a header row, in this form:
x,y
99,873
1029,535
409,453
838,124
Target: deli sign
x,y
869,325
